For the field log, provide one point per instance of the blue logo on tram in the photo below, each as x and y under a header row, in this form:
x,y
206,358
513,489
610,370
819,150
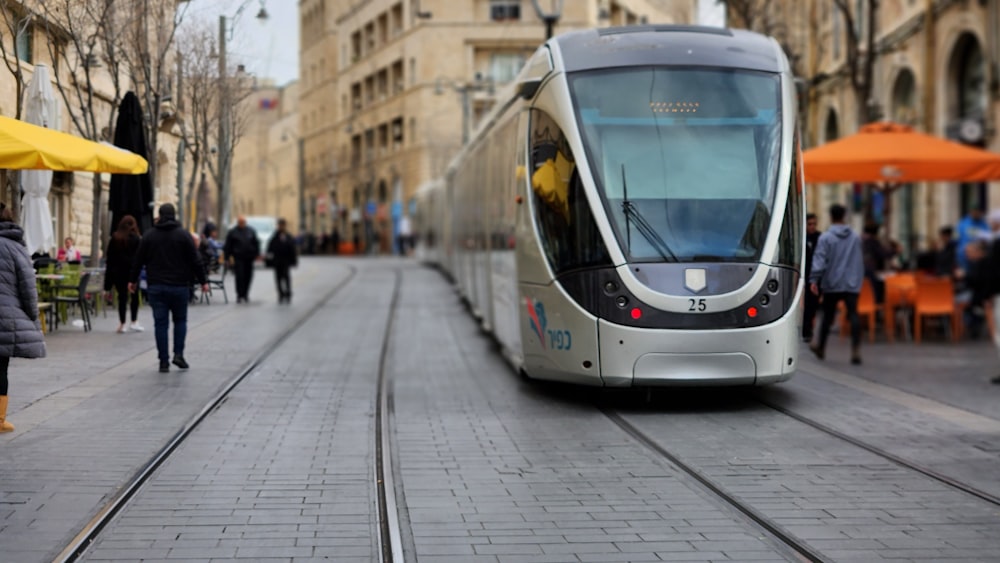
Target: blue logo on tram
x,y
556,339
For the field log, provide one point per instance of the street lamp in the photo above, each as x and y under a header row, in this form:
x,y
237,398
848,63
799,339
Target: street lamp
x,y
550,16
225,109
479,84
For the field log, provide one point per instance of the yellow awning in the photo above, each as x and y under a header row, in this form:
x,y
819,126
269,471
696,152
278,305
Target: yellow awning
x,y
24,146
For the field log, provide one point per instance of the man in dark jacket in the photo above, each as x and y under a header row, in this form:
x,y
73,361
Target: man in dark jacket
x,y
241,250
282,256
838,270
171,260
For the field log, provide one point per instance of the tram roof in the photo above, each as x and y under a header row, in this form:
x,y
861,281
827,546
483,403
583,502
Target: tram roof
x,y
685,45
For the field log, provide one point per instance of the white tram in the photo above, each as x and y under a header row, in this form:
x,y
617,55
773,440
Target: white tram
x,y
632,213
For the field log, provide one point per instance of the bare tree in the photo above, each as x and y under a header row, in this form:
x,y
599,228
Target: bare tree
x,y
771,19
860,55
201,98
85,39
17,21
149,42
198,103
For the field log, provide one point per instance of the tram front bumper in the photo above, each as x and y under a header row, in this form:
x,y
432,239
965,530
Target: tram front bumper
x,y
642,357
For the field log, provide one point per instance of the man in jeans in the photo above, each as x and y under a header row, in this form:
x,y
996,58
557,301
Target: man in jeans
x,y
171,260
838,270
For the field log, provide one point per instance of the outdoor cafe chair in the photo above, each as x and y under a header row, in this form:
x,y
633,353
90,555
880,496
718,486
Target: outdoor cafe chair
x,y
935,297
215,281
900,293
77,297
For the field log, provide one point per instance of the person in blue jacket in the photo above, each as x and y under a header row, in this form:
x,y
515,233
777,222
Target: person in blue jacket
x,y
838,270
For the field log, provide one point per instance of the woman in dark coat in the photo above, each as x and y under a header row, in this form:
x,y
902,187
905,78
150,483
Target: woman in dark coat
x,y
20,331
119,257
282,256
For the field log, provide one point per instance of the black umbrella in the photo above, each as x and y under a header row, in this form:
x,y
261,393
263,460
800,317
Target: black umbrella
x,y
131,194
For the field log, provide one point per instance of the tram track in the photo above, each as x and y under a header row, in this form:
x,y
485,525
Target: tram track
x,y
90,531
884,453
390,538
793,548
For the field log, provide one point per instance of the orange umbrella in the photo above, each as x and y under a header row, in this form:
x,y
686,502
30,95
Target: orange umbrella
x,y
896,154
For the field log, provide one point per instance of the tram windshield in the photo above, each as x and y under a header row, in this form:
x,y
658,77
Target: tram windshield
x,y
686,159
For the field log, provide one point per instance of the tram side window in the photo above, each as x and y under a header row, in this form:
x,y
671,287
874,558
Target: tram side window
x,y
563,216
790,240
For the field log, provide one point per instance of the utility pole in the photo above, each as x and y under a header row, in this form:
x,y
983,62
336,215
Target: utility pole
x,y
225,194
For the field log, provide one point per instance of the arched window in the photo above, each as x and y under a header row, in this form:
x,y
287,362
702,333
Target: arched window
x,y
831,130
904,99
967,73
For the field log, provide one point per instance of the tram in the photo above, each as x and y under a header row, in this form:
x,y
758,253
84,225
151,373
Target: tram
x,y
631,211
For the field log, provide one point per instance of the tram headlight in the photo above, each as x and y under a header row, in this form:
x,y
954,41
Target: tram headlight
x,y
772,286
610,287
765,299
622,301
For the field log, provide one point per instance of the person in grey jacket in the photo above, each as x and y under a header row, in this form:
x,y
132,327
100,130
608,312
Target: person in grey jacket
x,y
838,270
20,331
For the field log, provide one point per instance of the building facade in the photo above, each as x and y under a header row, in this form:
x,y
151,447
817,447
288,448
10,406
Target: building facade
x,y
80,58
934,68
266,162
390,89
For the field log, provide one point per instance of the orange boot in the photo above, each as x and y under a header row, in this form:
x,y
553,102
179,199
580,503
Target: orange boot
x,y
4,425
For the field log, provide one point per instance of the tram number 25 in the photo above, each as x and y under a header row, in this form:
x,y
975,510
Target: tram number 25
x,y
697,305
560,339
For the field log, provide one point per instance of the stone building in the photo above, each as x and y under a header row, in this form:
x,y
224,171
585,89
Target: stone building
x,y
935,68
390,88
74,48
266,163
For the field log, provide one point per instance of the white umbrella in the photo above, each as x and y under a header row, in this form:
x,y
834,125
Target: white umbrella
x,y
40,108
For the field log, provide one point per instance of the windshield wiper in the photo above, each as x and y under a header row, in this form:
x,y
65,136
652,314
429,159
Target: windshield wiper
x,y
632,214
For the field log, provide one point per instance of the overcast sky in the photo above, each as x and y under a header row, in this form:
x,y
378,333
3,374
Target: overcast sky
x,y
269,49
711,12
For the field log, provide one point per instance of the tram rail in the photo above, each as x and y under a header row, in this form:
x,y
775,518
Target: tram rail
x,y
885,454
793,548
389,550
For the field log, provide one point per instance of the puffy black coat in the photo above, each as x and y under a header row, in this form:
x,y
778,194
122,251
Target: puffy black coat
x,y
20,331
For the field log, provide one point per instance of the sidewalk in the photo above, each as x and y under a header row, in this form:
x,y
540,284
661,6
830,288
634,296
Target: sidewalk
x,y
954,373
96,409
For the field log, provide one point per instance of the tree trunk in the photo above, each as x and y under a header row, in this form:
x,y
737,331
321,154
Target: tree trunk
x,y
96,231
14,182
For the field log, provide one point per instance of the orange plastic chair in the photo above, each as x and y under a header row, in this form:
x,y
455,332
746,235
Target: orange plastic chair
x,y
935,298
900,293
866,311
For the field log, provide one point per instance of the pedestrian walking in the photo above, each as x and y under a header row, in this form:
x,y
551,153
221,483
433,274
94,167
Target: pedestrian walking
x,y
838,271
405,239
168,253
282,255
241,250
20,331
983,276
811,299
119,258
